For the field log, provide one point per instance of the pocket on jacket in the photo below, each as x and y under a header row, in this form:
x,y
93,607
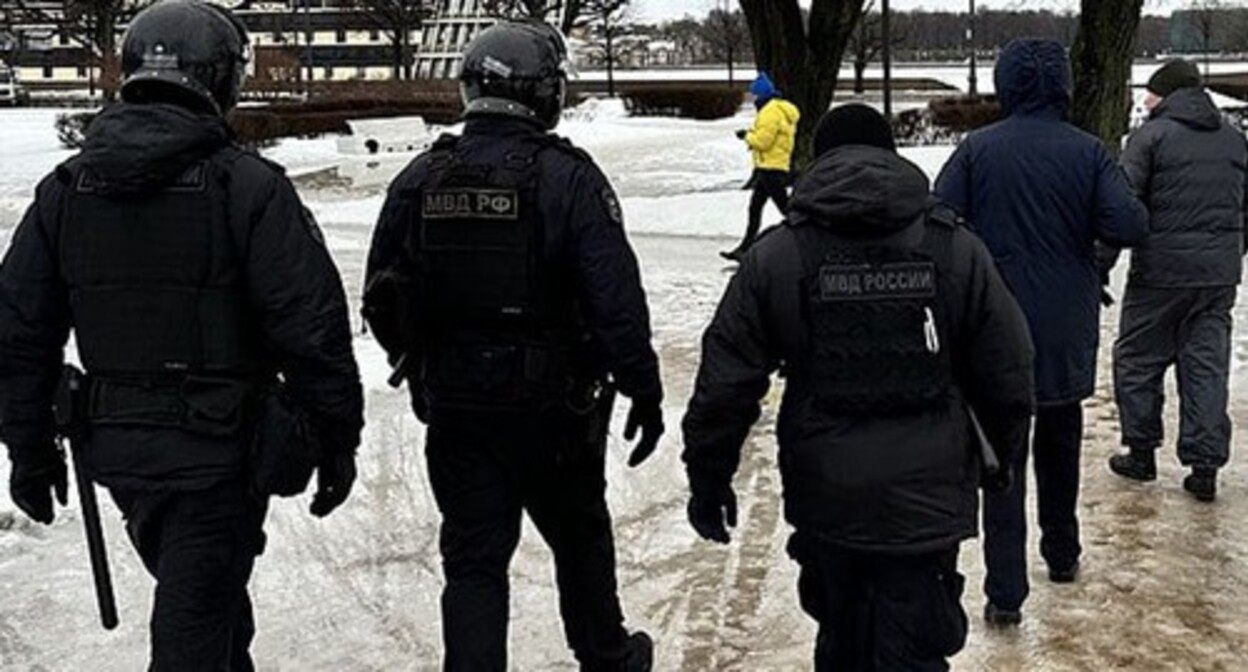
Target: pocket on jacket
x,y
284,450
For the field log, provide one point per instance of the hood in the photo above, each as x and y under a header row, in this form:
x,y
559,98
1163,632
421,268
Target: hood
x,y
857,190
1033,76
763,88
1191,107
791,114
133,149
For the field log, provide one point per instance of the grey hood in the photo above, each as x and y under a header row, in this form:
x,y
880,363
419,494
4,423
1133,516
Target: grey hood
x,y
1191,107
860,191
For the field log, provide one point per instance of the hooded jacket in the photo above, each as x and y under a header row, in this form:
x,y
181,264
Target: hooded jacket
x,y
1190,169
774,133
904,483
1040,193
292,291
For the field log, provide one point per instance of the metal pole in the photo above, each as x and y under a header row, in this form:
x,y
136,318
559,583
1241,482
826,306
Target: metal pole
x,y
973,79
887,37
308,36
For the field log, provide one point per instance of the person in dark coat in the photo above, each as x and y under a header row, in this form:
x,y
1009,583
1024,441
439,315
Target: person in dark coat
x,y
1190,168
1040,193
191,277
501,281
889,324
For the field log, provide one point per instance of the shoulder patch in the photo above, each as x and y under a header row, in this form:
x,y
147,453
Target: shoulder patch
x,y
612,204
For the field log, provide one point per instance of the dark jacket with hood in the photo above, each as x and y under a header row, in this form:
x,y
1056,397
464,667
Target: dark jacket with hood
x,y
901,483
1040,193
296,313
1190,168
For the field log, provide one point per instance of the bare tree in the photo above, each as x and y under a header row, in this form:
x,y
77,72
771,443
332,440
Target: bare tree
x,y
725,34
867,40
1207,15
803,55
574,11
607,21
1101,60
92,24
397,19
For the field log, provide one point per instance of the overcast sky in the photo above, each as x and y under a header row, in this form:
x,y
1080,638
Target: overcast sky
x,y
657,10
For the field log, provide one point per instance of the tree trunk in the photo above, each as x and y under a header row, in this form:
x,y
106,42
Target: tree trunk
x,y
610,65
396,49
1101,60
860,68
804,65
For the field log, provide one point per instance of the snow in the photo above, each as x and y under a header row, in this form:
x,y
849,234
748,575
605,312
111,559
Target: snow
x,y
1165,584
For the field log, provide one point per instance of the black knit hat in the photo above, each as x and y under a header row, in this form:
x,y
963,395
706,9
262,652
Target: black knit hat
x,y
853,124
1174,75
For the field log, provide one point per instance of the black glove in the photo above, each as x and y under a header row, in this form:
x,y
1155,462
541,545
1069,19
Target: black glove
x,y
33,481
742,133
709,508
334,479
999,481
647,415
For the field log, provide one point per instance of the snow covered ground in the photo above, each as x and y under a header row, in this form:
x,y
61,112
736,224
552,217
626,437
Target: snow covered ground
x,y
1165,584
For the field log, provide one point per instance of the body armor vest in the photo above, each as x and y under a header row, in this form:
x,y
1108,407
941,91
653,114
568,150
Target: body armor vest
x,y
493,325
877,325
158,305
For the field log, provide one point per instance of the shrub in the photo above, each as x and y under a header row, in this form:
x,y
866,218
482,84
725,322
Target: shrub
x,y
964,114
71,128
710,102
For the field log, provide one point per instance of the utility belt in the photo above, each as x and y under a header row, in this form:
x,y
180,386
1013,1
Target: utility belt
x,y
493,375
213,406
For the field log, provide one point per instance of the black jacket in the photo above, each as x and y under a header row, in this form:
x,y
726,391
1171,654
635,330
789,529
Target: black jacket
x,y
905,483
1191,170
293,292
584,244
1041,192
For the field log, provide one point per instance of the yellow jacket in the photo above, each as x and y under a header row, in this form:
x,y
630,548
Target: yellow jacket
x,y
771,140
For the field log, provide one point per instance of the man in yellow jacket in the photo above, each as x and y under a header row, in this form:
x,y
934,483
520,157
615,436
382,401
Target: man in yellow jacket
x,y
771,142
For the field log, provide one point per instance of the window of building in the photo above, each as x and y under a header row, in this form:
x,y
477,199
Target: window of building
x,y
47,72
340,36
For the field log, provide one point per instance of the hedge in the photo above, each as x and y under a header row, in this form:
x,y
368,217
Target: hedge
x,y
715,102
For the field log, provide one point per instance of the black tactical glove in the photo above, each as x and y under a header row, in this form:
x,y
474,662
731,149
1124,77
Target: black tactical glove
x,y
710,506
334,479
33,481
742,133
647,415
999,481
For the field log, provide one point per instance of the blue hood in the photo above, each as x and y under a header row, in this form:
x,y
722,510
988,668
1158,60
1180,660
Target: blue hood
x,y
1033,76
763,88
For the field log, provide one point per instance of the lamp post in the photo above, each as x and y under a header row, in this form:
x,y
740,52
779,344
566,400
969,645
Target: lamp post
x,y
973,79
887,37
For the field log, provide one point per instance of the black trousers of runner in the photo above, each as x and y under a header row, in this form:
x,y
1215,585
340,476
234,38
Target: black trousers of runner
x,y
200,546
880,612
770,185
488,468
1190,329
1056,444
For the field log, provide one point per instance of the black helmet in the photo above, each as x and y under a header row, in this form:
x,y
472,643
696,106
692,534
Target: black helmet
x,y
180,47
516,68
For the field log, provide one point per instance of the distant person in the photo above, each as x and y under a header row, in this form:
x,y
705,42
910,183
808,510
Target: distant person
x,y
209,317
771,144
890,323
1189,167
1041,192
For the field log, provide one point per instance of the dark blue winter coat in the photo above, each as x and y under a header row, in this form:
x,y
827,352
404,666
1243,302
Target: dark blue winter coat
x,y
1040,192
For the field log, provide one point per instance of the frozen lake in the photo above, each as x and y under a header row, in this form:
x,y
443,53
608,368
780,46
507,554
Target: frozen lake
x,y
1165,582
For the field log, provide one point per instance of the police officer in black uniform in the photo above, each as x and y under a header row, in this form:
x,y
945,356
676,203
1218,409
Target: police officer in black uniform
x,y
502,284
889,323
192,279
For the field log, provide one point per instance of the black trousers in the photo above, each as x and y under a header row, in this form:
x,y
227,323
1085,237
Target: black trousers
x,y
488,468
1056,444
1190,329
200,546
770,185
880,612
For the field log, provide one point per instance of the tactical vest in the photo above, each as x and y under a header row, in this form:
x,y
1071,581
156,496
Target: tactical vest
x,y
877,324
493,325
158,305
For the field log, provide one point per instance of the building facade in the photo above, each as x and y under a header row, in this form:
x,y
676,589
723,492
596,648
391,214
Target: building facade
x,y
452,27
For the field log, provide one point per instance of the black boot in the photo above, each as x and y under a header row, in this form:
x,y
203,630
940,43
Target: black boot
x,y
640,653
1138,465
1202,483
